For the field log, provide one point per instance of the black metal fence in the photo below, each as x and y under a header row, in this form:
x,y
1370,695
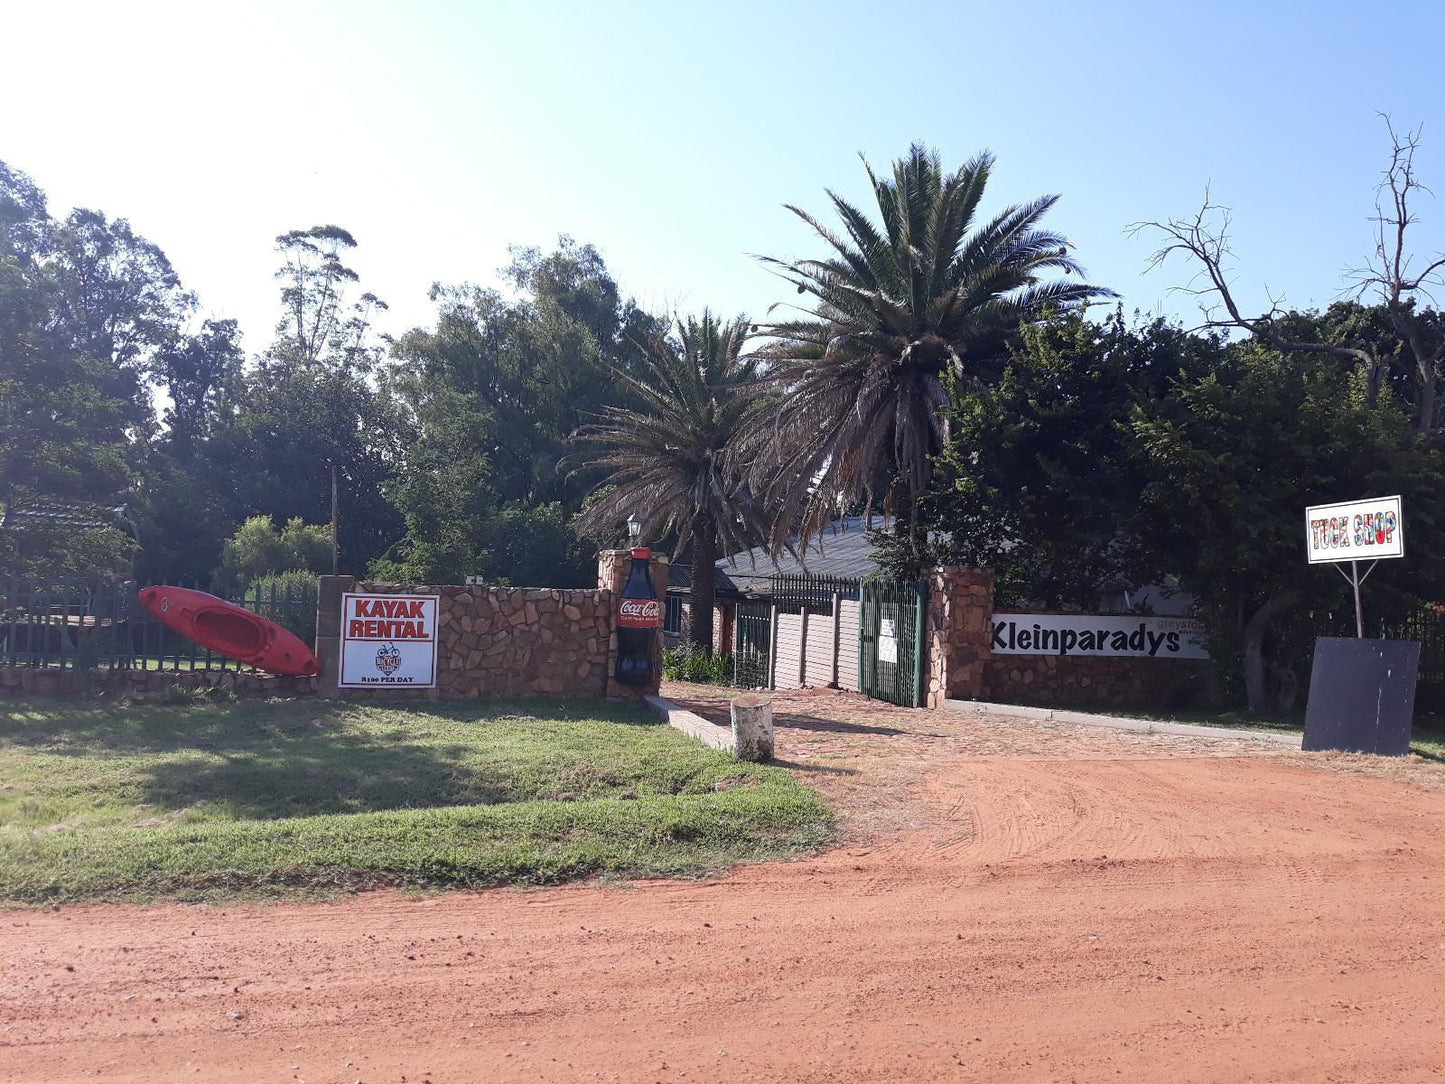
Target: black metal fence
x,y
1427,625
795,594
87,624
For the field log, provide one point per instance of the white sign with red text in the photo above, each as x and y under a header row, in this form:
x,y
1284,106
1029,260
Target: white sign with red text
x,y
1367,530
389,641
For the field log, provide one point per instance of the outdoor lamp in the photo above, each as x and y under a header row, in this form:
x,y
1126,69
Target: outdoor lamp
x,y
634,528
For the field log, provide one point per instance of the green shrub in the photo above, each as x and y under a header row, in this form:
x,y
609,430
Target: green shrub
x,y
294,608
686,663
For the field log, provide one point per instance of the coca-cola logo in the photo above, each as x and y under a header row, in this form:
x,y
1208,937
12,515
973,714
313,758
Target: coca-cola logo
x,y
640,613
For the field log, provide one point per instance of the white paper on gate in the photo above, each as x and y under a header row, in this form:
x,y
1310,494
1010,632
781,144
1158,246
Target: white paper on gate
x,y
887,640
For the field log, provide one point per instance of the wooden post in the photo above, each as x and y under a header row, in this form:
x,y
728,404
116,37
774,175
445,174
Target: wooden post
x,y
772,682
803,650
837,634
752,717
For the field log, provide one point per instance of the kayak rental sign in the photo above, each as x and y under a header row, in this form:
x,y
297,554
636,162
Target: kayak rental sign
x,y
389,641
1367,530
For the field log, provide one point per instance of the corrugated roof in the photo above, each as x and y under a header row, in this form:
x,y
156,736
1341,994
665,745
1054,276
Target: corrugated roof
x,y
680,576
843,550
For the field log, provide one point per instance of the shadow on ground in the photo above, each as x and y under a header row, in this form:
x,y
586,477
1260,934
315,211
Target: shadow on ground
x,y
270,759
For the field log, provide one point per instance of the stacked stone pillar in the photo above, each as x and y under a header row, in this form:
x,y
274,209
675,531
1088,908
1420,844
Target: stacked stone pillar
x,y
612,569
958,626
328,633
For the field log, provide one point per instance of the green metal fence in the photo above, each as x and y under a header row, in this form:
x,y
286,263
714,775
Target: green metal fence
x,y
752,644
86,624
890,641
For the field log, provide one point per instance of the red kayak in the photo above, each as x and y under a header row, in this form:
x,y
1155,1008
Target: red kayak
x,y
229,630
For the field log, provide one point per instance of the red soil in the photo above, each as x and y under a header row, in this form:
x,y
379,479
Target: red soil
x,y
1048,903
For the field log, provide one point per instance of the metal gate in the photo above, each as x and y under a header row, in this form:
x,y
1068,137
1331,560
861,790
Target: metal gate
x,y
890,641
752,644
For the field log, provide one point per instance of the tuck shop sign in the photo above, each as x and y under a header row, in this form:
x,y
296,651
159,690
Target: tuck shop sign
x,y
388,641
1082,634
1365,530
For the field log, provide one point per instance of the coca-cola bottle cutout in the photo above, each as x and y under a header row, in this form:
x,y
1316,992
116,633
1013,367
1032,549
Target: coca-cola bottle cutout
x,y
639,615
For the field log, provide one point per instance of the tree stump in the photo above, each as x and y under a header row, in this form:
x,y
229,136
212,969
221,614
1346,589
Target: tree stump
x,y
752,717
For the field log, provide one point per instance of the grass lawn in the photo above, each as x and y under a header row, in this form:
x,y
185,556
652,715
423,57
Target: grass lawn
x,y
199,801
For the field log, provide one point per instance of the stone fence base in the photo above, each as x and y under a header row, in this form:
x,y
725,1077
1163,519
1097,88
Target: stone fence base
x,y
53,681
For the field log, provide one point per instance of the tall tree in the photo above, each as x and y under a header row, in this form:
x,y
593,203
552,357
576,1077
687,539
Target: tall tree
x,y
1228,459
1397,281
495,388
669,459
926,291
82,303
200,373
117,297
321,322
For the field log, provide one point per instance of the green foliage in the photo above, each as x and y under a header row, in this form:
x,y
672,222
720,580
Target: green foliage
x,y
687,662
494,390
295,594
258,549
670,457
514,545
202,801
79,321
1036,480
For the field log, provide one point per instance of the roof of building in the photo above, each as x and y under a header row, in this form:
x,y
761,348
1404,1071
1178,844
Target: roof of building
x,y
679,577
842,550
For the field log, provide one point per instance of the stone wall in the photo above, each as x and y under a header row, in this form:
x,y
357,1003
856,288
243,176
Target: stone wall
x,y
961,664
512,641
1093,681
54,681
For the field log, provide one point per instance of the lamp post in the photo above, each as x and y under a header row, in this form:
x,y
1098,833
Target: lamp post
x,y
634,529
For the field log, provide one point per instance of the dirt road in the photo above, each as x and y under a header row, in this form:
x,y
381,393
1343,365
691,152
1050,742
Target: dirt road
x,y
1044,903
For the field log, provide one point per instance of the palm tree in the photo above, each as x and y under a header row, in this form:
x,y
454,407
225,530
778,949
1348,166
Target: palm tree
x,y
896,308
668,456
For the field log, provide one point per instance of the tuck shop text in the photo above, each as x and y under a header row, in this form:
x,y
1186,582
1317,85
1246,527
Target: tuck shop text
x,y
1351,532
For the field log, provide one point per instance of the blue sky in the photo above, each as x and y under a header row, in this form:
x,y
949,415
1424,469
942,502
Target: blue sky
x,y
670,134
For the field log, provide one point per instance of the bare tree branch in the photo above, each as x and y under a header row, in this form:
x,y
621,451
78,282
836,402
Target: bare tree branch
x,y
1204,239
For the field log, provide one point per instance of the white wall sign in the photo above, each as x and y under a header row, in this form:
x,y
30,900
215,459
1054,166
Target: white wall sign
x,y
1083,634
887,640
1367,530
389,641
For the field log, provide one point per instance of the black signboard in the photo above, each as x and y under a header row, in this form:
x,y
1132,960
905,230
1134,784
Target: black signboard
x,y
1362,695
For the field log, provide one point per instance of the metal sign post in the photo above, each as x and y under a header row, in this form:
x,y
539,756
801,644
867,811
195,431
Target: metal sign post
x,y
1362,692
1372,530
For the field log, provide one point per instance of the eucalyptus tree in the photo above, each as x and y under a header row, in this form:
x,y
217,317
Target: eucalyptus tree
x,y
669,456
926,294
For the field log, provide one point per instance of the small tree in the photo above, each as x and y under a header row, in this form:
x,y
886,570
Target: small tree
x,y
258,549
